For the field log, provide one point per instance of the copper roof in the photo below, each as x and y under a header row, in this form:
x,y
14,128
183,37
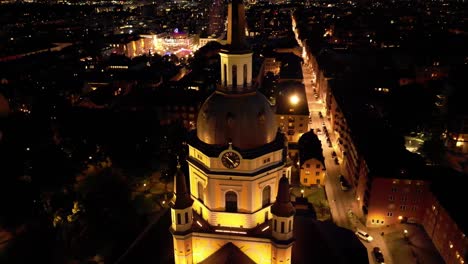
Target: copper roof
x,y
246,120
182,195
283,206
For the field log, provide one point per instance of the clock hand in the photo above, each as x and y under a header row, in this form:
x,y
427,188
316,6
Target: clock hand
x,y
230,160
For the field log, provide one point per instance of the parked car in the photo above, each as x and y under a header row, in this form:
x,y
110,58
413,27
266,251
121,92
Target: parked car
x,y
336,161
363,235
378,255
344,186
342,178
333,154
344,183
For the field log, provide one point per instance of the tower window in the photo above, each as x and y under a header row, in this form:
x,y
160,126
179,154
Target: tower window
x,y
234,76
231,201
225,74
290,226
200,191
245,75
179,219
266,196
186,217
274,225
282,227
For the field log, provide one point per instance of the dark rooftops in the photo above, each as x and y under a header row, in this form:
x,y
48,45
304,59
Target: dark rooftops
x,y
291,66
283,103
310,147
449,186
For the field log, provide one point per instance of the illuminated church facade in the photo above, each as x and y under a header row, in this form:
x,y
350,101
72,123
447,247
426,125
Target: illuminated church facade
x,y
237,208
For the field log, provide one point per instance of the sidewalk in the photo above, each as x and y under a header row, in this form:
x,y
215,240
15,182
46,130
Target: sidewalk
x,y
416,248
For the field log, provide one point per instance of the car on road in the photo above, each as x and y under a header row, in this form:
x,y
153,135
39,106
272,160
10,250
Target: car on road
x,y
363,235
344,186
333,154
379,258
336,161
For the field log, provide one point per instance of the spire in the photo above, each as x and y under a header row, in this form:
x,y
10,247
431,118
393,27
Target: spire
x,y
182,195
283,206
236,26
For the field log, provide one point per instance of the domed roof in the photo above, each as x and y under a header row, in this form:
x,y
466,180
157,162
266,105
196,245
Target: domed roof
x,y
246,120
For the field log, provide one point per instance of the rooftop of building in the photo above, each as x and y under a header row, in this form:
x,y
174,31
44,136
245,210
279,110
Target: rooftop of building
x,y
323,241
310,147
291,66
373,137
449,186
284,105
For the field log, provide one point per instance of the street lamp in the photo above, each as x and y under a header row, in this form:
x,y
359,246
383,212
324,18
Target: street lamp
x,y
294,99
302,193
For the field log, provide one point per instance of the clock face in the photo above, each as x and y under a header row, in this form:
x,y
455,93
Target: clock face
x,y
230,160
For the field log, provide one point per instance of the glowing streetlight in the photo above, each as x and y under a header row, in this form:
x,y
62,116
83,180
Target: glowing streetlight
x,y
294,99
302,193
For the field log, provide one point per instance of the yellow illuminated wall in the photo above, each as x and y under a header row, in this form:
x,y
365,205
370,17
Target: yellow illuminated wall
x,y
183,249
312,173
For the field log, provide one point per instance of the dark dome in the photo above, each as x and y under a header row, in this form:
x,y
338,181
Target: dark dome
x,y
245,119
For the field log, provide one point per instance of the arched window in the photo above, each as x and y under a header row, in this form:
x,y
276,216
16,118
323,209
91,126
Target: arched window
x,y
200,191
245,75
234,76
225,75
266,196
231,202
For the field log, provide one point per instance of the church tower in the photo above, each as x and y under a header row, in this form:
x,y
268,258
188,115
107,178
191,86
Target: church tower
x,y
182,219
283,221
236,159
236,59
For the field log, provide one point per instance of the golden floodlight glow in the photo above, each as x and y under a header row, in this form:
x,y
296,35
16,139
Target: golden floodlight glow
x,y
294,99
230,231
400,217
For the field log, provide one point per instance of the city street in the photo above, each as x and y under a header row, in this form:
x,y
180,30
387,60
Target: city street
x,y
416,248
